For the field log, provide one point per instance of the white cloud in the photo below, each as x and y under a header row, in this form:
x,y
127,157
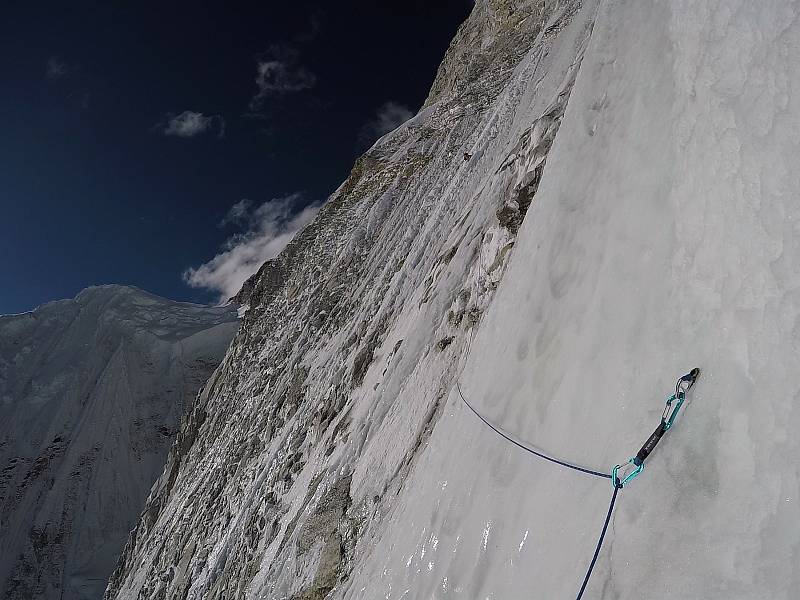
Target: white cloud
x,y
388,118
269,228
237,214
56,68
190,124
278,73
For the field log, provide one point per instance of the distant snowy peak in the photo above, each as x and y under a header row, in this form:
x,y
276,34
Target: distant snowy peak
x,y
92,390
130,306
137,308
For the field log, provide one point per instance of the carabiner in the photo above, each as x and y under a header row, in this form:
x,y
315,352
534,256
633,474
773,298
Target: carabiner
x,y
688,379
671,410
683,385
626,479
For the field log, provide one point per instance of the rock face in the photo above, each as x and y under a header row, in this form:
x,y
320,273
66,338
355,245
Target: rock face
x,y
282,471
91,394
595,198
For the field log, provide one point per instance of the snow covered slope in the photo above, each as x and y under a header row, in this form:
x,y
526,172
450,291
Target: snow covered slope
x,y
91,394
650,148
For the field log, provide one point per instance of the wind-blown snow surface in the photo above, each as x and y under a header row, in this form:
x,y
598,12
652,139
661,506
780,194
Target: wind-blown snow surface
x,y
91,394
330,455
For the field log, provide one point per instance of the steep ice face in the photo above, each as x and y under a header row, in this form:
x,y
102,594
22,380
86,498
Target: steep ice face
x,y
573,220
663,235
91,394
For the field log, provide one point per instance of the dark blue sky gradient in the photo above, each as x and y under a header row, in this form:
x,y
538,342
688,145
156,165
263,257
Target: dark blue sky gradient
x,y
91,193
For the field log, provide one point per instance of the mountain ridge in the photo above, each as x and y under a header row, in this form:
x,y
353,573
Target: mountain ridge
x,y
91,390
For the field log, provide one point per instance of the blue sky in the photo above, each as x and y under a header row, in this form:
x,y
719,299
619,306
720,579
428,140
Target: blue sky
x,y
130,133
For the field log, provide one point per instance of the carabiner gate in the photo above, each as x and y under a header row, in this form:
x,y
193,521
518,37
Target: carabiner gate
x,y
626,478
672,408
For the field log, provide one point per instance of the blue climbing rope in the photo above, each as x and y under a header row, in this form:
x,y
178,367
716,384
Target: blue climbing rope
x,y
617,488
618,476
498,430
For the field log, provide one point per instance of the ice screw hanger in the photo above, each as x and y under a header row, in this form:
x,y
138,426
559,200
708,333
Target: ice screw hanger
x,y
623,474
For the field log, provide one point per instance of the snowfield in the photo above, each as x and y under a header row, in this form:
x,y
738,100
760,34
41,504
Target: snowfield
x,y
91,394
628,210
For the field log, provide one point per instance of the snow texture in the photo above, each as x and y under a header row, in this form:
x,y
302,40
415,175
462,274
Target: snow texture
x,y
597,197
91,393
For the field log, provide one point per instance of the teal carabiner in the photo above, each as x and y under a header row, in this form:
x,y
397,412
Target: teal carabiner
x,y
621,483
671,410
683,385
